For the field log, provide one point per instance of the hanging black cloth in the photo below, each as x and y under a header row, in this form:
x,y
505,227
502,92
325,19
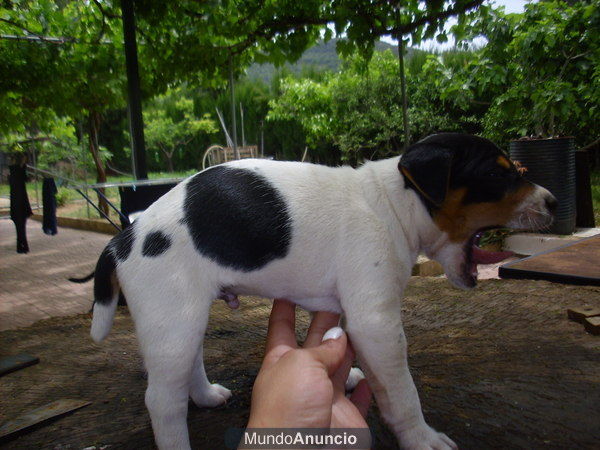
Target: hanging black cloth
x,y
49,202
20,209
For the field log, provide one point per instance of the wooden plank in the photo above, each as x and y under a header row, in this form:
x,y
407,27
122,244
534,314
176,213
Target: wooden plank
x,y
592,325
573,263
39,415
578,314
9,364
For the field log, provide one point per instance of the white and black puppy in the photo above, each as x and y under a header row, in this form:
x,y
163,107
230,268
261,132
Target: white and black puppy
x,y
328,239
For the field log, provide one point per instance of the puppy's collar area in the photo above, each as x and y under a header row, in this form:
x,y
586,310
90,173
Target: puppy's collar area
x,y
412,240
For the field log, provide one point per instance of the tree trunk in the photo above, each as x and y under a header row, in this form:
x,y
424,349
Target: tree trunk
x,y
170,162
93,130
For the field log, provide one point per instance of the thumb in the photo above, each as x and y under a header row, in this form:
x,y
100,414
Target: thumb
x,y
332,349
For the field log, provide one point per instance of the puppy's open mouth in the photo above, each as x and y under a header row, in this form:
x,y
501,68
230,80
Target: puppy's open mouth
x,y
476,255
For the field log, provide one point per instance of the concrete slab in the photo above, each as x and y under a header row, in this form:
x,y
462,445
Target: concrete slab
x,y
532,243
34,286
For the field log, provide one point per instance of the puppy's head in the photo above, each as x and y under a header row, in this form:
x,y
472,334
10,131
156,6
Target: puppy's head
x,y
469,185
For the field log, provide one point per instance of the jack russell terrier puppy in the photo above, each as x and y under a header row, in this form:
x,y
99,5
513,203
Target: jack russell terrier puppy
x,y
328,239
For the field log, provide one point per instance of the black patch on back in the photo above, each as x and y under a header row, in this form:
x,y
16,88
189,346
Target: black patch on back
x,y
156,243
123,242
103,276
237,218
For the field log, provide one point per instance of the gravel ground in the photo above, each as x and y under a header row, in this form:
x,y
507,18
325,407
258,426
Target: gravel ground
x,y
497,367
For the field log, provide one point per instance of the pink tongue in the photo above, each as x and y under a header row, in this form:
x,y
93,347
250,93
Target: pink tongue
x,y
484,257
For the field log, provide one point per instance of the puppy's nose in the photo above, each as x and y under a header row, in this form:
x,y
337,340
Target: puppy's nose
x,y
551,203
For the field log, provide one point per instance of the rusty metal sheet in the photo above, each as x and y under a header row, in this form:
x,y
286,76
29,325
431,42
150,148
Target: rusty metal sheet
x,y
41,414
573,263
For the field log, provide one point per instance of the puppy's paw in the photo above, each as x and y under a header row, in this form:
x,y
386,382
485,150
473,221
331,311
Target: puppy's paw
x,y
214,395
423,437
354,377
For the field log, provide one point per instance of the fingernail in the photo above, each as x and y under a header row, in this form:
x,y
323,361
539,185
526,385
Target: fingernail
x,y
332,333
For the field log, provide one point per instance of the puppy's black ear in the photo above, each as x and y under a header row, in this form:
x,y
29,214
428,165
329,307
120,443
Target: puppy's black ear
x,y
426,168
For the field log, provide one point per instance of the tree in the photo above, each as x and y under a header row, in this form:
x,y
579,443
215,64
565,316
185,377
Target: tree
x,y
366,22
539,71
211,38
170,123
67,58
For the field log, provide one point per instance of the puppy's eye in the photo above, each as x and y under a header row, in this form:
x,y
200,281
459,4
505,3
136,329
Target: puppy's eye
x,y
495,173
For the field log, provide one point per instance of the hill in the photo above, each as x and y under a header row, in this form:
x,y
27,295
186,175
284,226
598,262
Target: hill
x,y
322,57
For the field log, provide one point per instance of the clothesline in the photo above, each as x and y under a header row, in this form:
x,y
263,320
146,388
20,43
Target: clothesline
x,y
80,188
110,184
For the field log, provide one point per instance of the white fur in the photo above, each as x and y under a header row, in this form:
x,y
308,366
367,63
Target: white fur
x,y
355,237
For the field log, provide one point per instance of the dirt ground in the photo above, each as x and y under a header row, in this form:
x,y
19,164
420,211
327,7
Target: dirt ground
x,y
497,367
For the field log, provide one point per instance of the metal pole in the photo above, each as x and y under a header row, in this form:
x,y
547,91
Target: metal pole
x,y
242,124
262,138
402,80
403,88
134,109
89,200
236,150
85,172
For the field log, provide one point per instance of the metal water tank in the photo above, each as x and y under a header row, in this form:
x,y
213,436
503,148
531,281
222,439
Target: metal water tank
x,y
551,164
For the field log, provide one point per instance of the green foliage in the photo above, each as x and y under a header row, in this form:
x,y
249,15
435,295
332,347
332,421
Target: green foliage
x,y
363,23
540,70
170,123
358,109
309,101
538,74
64,196
80,73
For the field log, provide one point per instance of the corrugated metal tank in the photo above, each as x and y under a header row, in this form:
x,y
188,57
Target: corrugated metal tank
x,y
551,164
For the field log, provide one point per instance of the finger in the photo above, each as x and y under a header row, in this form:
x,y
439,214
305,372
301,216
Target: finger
x,y
341,374
321,322
361,397
282,325
332,350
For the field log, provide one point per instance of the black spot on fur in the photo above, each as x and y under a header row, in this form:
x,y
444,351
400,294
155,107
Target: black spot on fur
x,y
103,277
156,243
123,242
237,218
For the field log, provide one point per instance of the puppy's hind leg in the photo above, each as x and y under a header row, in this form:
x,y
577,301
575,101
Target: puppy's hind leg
x,y
203,393
169,338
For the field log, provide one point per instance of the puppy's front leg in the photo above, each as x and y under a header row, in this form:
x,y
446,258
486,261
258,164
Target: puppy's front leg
x,y
374,324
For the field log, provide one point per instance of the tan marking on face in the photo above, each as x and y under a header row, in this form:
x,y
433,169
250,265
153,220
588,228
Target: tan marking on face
x,y
460,221
503,161
520,167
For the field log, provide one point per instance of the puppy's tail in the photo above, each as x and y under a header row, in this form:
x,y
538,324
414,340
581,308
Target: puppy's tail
x,y
82,280
106,295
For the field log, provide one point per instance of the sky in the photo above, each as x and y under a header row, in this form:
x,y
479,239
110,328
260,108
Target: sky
x,y
510,6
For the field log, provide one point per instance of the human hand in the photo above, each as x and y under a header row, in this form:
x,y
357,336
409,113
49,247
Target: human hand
x,y
305,387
